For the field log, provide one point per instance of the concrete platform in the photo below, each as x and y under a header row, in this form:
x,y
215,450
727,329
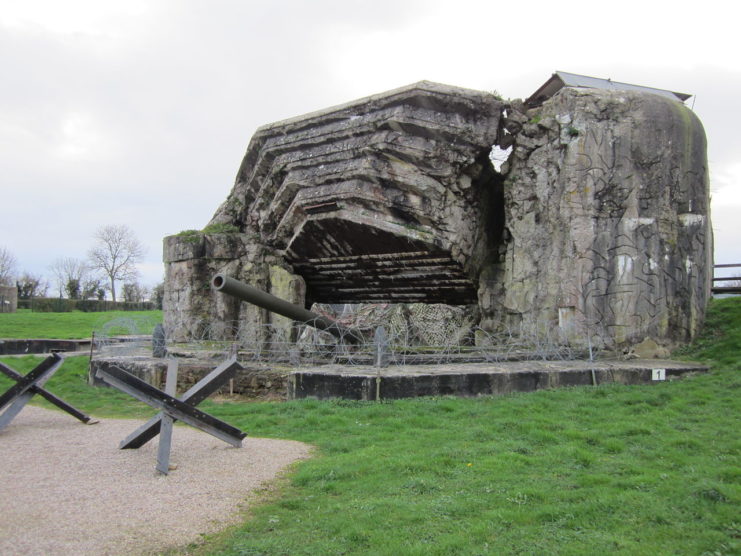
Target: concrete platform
x,y
12,346
476,379
259,381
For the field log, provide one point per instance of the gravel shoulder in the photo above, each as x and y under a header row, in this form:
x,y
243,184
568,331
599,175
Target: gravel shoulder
x,y
66,488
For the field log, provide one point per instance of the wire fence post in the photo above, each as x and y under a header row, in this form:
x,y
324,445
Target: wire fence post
x,y
381,356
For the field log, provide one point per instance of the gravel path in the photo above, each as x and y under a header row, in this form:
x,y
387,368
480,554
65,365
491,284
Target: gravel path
x,y
66,488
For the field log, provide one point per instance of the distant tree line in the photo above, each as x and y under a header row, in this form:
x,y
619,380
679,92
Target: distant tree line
x,y
110,261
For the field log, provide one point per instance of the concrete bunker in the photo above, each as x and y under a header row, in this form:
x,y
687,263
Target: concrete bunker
x,y
597,225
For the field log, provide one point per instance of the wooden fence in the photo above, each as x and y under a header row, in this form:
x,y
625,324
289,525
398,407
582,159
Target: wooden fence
x,y
729,288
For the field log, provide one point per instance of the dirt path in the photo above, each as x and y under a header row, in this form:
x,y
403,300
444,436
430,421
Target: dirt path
x,y
66,488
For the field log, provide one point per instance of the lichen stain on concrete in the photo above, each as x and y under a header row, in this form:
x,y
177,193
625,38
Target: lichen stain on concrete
x,y
598,221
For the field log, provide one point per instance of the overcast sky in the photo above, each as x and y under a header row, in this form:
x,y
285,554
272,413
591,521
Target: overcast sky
x,y
139,112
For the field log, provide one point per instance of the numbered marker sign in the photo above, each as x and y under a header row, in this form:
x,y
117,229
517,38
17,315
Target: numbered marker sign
x,y
658,374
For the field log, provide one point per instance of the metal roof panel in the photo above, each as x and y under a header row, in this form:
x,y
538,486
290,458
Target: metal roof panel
x,y
562,79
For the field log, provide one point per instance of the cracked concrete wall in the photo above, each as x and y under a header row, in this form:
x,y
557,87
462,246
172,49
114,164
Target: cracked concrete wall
x,y
384,199
193,310
598,225
402,175
607,220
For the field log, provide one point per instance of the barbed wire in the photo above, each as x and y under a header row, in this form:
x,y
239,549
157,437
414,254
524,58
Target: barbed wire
x,y
125,336
413,334
426,340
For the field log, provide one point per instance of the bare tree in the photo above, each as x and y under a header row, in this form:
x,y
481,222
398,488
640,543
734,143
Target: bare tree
x,y
134,292
93,288
158,294
7,267
70,275
31,285
116,252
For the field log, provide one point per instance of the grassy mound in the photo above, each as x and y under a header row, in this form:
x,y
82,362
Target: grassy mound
x,y
652,469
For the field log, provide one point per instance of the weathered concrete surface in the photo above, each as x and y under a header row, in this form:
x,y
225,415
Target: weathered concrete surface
x,y
607,220
474,379
255,381
386,199
149,369
193,311
266,381
597,228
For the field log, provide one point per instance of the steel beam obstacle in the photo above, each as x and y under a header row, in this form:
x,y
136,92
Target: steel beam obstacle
x,y
174,409
26,387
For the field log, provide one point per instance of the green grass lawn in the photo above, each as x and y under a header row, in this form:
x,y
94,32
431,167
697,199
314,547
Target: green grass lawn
x,y
652,469
70,383
64,326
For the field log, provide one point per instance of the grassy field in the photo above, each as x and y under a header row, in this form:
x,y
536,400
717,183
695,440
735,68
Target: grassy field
x,y
650,469
64,326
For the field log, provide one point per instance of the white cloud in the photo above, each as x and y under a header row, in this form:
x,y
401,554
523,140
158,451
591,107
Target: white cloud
x,y
140,112
71,16
80,138
726,185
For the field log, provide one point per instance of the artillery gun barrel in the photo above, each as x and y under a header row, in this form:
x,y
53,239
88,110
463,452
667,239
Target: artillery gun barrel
x,y
245,292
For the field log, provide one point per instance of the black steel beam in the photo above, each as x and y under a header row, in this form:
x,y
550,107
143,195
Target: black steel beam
x,y
47,367
170,405
31,384
195,395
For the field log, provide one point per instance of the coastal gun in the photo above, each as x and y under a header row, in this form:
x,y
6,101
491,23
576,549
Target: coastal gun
x,y
245,292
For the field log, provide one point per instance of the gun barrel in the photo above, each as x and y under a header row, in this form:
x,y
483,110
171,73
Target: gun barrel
x,y
245,292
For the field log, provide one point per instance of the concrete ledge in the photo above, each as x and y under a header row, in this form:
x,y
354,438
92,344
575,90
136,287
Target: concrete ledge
x,y
23,347
266,381
475,379
255,381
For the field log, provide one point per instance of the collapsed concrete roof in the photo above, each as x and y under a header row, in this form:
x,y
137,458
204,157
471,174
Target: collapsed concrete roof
x,y
380,199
